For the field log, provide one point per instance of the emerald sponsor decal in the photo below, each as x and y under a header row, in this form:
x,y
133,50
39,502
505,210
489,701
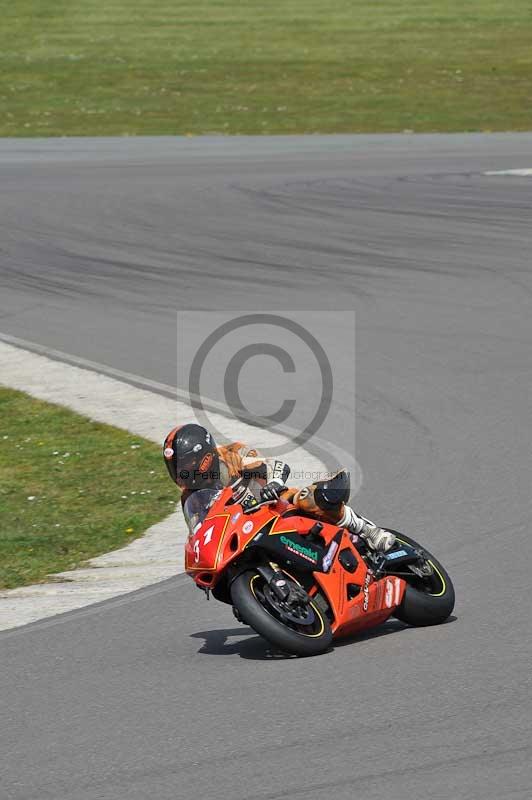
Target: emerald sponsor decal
x,y
300,549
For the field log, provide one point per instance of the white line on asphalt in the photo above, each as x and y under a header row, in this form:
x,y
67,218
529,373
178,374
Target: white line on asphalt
x,y
520,173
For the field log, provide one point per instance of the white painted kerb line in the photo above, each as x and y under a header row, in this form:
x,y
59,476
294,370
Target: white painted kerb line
x,y
159,553
519,173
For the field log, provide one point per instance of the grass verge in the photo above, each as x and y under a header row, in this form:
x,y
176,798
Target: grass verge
x,y
110,67
70,488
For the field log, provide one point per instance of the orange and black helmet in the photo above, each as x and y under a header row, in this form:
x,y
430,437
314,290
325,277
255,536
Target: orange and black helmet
x,y
191,457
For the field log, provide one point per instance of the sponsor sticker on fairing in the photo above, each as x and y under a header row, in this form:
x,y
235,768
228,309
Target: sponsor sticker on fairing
x,y
365,590
247,527
300,550
393,592
329,556
388,598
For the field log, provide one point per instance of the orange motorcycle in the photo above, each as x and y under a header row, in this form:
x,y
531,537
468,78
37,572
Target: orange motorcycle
x,y
300,583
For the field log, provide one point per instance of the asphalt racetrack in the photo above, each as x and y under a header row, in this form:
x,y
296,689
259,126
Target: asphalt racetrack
x,y
162,695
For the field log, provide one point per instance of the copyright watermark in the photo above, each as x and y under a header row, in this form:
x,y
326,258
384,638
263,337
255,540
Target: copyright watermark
x,y
290,373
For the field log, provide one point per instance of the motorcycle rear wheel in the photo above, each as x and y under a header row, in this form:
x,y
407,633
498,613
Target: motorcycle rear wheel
x,y
430,602
301,640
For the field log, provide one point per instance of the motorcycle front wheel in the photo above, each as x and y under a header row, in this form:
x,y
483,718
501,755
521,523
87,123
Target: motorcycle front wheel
x,y
300,631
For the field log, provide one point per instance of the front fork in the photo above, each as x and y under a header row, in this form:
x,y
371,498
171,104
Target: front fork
x,y
285,591
275,579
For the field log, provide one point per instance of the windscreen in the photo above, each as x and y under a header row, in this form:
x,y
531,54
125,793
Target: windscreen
x,y
197,505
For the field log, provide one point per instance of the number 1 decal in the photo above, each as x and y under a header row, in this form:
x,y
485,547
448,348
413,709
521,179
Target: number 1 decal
x,y
207,536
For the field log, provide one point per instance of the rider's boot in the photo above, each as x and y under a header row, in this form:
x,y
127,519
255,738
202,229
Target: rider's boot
x,y
377,538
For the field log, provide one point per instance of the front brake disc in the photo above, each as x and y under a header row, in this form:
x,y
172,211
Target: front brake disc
x,y
422,570
288,611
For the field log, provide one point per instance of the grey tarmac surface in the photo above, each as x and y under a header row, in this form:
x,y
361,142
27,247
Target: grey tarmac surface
x,y
163,695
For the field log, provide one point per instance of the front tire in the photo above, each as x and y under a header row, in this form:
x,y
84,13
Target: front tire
x,y
427,602
249,596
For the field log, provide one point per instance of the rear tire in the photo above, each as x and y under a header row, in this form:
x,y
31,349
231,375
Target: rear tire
x,y
246,597
431,605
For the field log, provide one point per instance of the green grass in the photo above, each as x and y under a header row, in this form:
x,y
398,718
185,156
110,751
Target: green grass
x,y
115,67
70,488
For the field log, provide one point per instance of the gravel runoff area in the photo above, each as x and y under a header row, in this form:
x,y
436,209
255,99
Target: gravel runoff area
x,y
159,553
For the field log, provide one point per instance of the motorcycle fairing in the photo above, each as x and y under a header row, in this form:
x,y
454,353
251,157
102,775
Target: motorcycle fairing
x,y
371,603
202,549
288,543
356,600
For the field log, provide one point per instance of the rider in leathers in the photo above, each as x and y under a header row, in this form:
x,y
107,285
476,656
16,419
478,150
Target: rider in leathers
x,y
195,462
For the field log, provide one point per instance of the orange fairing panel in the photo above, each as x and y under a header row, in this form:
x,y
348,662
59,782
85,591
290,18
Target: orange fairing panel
x,y
202,549
373,604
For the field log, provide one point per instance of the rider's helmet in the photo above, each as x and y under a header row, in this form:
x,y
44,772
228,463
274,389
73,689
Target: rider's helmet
x,y
331,493
191,458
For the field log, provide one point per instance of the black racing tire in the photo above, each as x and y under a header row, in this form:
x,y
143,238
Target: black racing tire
x,y
432,605
254,613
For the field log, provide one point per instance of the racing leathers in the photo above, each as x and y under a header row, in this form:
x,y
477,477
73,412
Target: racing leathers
x,y
323,500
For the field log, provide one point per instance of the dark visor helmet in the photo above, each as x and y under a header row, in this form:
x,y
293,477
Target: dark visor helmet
x,y
191,458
